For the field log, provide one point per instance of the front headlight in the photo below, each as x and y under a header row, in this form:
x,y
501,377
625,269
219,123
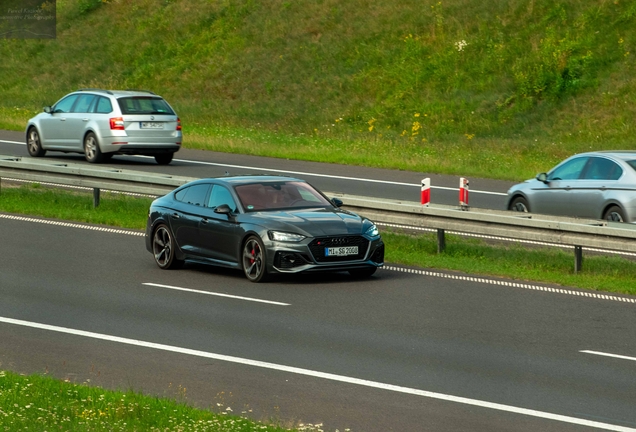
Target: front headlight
x,y
373,231
284,236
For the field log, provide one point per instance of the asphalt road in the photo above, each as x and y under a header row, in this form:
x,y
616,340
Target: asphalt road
x,y
403,351
364,181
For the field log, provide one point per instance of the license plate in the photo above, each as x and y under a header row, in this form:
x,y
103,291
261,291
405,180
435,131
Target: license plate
x,y
341,251
150,125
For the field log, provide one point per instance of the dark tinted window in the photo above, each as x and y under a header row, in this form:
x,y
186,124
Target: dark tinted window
x,y
144,105
219,196
65,104
602,169
280,195
103,106
570,170
83,103
193,195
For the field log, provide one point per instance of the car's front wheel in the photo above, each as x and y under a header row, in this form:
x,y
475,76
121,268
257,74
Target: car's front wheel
x,y
34,144
519,204
92,152
614,214
164,158
254,261
164,248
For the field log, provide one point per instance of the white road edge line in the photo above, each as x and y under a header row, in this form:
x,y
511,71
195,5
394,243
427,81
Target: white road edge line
x,y
599,353
308,174
324,375
216,294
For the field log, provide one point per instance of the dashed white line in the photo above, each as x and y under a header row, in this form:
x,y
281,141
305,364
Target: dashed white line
x,y
618,356
216,294
72,225
324,375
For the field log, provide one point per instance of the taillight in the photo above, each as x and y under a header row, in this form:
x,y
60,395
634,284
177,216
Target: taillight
x,y
117,123
178,123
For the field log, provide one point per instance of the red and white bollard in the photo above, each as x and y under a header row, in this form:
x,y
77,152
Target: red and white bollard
x,y
426,191
463,192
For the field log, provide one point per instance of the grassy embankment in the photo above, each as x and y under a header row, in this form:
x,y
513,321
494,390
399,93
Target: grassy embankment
x,y
603,273
500,89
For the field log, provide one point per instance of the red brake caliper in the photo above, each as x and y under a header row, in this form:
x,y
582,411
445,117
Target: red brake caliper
x,y
252,259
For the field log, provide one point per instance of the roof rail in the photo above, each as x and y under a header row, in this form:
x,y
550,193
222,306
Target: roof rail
x,y
95,89
139,90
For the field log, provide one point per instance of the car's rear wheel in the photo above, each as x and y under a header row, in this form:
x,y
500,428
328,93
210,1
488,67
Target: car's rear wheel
x,y
254,261
363,273
164,158
34,145
519,204
614,214
164,248
92,152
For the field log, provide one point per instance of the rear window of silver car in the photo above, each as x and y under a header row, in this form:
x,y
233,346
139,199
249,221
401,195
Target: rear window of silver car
x,y
144,105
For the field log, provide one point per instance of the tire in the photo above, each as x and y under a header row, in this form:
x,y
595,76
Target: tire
x,y
254,260
92,152
34,144
164,158
363,273
519,204
164,248
614,214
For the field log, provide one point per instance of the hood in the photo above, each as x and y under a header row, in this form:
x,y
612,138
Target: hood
x,y
312,222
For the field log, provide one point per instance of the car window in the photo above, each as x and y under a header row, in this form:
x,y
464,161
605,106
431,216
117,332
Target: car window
x,y
65,105
103,106
219,196
83,103
601,169
194,195
144,105
279,195
570,170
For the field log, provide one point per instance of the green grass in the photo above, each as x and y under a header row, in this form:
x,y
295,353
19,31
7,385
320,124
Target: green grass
x,y
41,403
500,89
551,265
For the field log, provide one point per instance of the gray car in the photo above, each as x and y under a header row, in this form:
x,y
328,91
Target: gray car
x,y
102,123
262,225
596,185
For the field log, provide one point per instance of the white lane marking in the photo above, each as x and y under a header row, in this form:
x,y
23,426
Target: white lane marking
x,y
618,356
323,375
386,267
13,142
216,294
510,284
308,174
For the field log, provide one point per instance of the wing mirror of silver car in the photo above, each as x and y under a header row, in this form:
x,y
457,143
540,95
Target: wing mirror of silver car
x,y
543,177
47,109
337,202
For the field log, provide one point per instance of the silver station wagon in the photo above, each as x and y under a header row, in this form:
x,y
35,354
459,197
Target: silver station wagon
x,y
103,123
597,185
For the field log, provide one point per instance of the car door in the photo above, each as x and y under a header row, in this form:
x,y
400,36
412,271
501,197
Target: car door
x,y
53,127
220,233
185,217
599,177
77,120
554,196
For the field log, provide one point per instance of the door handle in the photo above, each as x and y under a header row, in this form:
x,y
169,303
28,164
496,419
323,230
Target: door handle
x,y
85,119
62,119
175,216
204,221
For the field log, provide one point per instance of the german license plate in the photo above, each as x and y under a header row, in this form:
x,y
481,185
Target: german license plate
x,y
151,125
341,251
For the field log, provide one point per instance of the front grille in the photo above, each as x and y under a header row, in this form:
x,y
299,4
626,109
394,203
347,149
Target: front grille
x,y
318,245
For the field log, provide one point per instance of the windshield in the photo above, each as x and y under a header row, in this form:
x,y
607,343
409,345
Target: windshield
x,y
144,105
279,195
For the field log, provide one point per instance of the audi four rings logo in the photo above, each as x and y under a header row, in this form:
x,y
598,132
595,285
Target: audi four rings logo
x,y
338,241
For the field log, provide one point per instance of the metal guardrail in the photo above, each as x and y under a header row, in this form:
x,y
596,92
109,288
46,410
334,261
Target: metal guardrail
x,y
575,232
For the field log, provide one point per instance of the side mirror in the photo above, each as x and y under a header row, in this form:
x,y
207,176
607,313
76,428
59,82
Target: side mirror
x,y
543,177
47,109
223,209
337,202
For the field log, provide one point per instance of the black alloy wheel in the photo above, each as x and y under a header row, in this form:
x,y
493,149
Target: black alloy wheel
x,y
34,145
254,260
163,248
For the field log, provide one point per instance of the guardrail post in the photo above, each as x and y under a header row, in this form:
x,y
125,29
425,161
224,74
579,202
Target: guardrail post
x,y
441,241
578,259
95,197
